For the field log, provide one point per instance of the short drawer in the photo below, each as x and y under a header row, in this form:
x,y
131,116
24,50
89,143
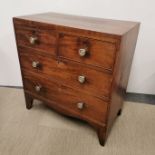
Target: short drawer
x,y
69,73
88,51
75,102
42,40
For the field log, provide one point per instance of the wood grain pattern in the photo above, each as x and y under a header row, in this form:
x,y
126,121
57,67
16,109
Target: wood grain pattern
x,y
110,47
19,22
67,97
67,73
107,26
100,54
121,74
46,40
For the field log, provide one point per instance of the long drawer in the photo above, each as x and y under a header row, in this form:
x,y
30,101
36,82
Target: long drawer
x,y
69,73
84,106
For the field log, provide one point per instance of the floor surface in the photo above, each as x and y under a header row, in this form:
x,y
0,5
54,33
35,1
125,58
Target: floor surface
x,y
41,131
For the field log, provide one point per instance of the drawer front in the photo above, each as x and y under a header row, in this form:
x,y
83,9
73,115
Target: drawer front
x,y
42,40
84,106
88,51
72,74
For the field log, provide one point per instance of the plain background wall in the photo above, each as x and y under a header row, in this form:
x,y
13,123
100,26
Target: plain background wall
x,y
142,77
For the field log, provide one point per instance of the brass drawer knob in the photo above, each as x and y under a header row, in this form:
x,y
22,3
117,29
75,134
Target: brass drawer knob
x,y
35,64
82,52
81,78
80,105
33,40
38,88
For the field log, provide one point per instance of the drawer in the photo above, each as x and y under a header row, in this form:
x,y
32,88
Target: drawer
x,y
88,51
69,73
42,40
75,102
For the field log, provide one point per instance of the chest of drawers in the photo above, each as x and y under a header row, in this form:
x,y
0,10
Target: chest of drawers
x,y
78,66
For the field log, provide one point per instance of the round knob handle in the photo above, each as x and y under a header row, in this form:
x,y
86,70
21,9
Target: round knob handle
x,y
35,64
81,78
38,88
33,40
80,105
82,52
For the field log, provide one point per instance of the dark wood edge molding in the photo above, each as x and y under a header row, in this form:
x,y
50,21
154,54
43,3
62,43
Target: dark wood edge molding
x,y
133,97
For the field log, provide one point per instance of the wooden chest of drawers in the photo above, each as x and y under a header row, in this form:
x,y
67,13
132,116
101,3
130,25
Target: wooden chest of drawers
x,y
78,66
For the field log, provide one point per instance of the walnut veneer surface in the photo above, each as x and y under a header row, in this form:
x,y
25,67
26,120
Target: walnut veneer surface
x,y
78,66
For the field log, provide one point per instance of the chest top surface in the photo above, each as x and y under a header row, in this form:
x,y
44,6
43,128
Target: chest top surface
x,y
107,26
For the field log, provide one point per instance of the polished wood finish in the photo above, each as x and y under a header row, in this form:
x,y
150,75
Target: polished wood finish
x,y
56,21
28,100
67,98
121,73
70,45
89,86
46,40
67,72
